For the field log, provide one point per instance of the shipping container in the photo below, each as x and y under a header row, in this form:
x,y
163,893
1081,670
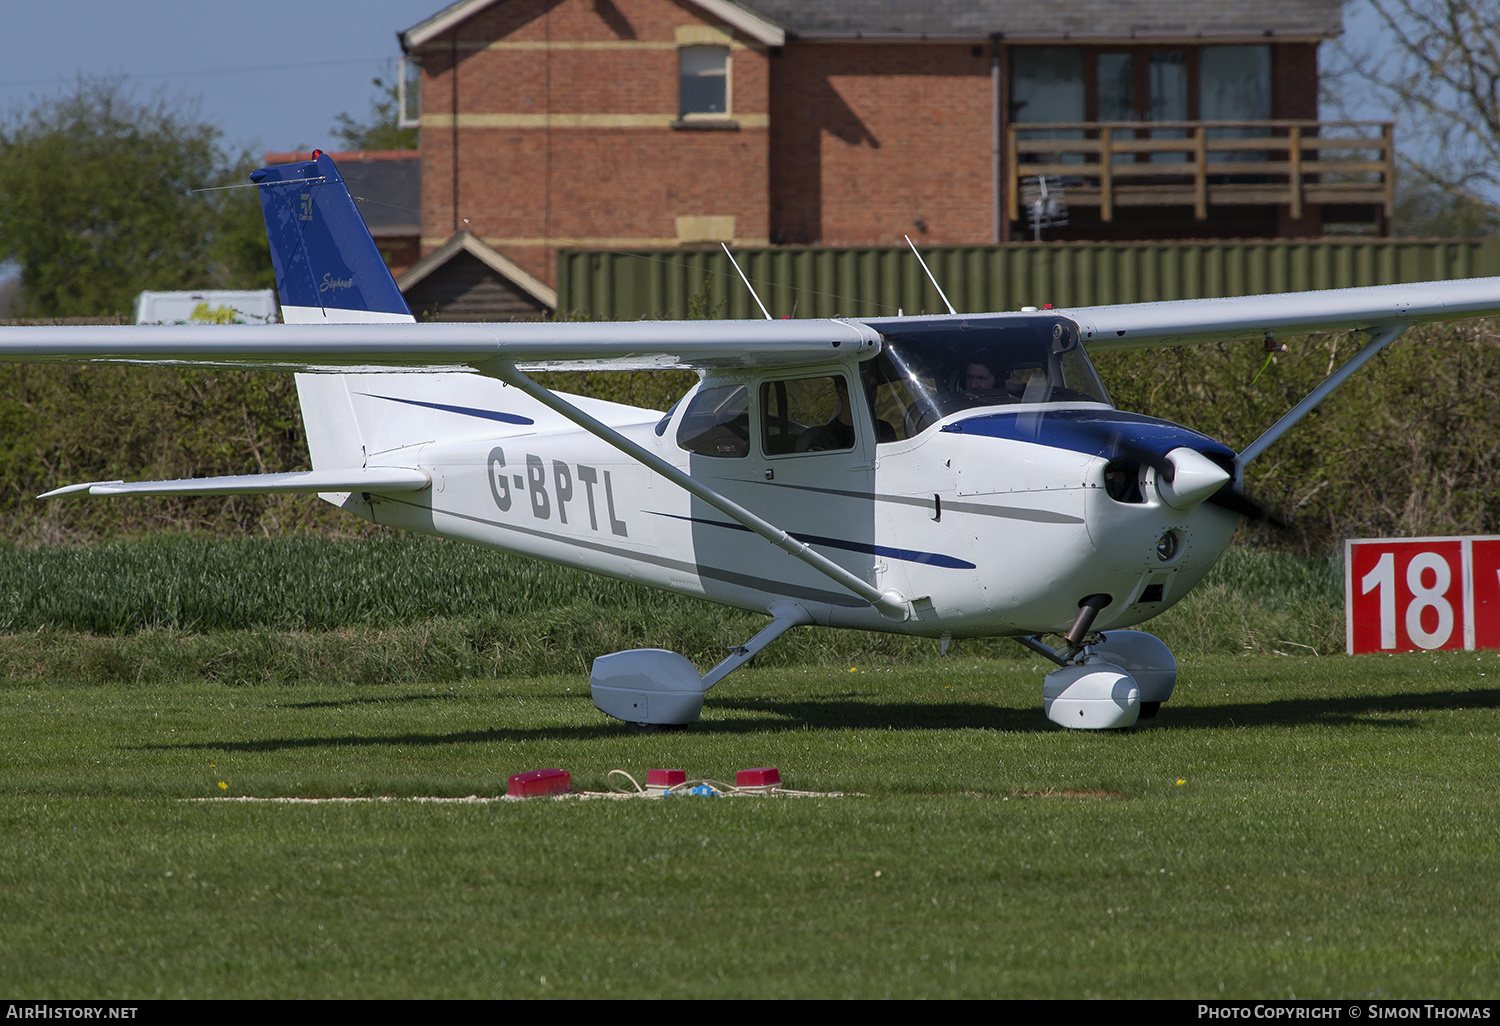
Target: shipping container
x,y
871,281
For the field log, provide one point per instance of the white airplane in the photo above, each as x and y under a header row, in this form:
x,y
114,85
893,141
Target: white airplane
x,y
948,476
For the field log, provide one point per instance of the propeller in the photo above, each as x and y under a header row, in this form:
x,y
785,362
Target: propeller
x,y
1251,509
1190,464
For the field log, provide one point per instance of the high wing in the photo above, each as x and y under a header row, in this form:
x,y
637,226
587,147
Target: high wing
x,y
1191,321
344,312
707,345
1104,328
340,348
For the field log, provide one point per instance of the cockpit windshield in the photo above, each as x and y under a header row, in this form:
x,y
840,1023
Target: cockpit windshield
x,y
928,370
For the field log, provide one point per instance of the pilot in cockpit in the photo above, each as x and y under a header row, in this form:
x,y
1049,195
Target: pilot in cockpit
x,y
978,376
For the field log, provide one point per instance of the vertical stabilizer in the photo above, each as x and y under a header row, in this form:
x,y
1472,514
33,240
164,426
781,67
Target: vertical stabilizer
x,y
328,269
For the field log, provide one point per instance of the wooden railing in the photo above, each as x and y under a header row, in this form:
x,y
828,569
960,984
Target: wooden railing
x,y
1205,163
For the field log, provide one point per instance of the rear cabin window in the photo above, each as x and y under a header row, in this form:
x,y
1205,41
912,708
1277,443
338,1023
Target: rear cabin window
x,y
717,423
806,415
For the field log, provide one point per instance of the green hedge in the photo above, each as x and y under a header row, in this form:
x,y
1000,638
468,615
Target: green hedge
x,y
1405,448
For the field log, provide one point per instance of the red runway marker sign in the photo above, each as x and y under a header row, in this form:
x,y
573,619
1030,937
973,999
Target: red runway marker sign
x,y
1421,594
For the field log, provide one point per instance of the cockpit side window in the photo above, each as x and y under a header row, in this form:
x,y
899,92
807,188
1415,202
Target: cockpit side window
x,y
717,423
898,405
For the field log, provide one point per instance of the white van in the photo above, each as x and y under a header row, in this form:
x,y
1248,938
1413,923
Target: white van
x,y
210,306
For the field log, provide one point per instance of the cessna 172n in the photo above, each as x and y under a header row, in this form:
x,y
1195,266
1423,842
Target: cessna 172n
x,y
941,476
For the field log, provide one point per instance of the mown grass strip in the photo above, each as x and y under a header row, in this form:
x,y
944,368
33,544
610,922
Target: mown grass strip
x,y
1288,827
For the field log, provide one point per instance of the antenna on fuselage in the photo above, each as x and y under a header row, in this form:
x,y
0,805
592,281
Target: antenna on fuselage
x,y
747,282
930,278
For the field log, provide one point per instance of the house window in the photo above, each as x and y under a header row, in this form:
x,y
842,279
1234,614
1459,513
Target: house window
x,y
1236,83
703,80
1047,84
409,93
1047,87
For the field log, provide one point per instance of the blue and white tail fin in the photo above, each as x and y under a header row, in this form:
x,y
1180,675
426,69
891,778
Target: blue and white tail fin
x,y
328,269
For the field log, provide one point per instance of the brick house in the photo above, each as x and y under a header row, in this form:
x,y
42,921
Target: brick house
x,y
627,124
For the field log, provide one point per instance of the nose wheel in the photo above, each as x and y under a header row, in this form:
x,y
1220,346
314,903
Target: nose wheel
x,y
1091,695
1108,682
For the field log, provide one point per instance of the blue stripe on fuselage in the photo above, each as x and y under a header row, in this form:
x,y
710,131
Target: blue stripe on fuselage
x,y
467,411
1105,433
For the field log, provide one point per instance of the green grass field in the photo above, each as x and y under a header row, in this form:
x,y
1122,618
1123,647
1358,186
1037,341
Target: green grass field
x,y
1290,826
1333,833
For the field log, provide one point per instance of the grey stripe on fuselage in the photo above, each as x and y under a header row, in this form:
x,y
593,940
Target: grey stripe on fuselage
x,y
1040,516
831,598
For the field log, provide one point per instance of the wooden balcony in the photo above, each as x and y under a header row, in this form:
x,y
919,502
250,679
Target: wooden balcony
x,y
1203,164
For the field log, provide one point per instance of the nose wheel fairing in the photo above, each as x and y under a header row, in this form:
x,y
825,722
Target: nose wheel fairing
x,y
1091,695
1122,677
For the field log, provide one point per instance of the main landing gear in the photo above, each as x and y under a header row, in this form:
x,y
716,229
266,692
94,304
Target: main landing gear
x,y
654,688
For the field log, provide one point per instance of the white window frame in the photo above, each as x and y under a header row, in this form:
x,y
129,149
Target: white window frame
x,y
727,113
408,68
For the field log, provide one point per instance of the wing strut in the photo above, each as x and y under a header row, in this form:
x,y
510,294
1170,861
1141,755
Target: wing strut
x,y
890,604
1379,339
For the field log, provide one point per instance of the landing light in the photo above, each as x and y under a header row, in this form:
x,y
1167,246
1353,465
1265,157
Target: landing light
x,y
1167,546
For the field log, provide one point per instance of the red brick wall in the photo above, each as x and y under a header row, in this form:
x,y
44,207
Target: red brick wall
x,y
526,186
866,141
867,138
399,252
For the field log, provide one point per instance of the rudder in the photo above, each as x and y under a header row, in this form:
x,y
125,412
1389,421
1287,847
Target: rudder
x,y
328,268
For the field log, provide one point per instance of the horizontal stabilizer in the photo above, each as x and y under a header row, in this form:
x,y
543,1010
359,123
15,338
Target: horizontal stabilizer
x,y
374,479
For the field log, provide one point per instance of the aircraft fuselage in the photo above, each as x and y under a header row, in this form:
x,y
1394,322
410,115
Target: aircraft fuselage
x,y
986,535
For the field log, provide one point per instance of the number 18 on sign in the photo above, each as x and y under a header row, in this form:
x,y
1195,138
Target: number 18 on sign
x,y
1420,594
